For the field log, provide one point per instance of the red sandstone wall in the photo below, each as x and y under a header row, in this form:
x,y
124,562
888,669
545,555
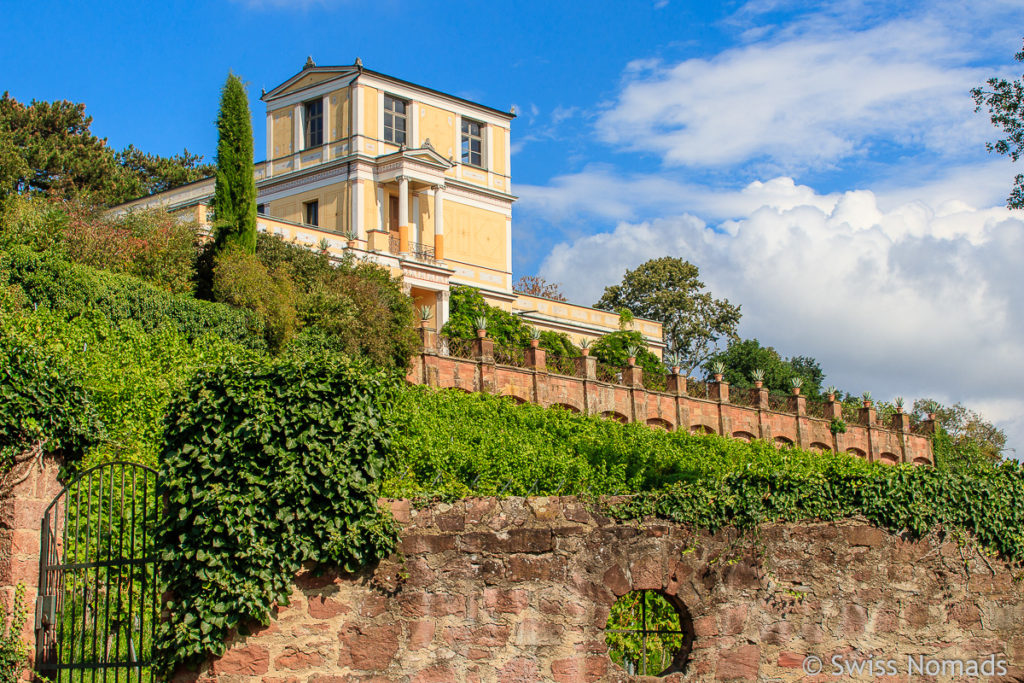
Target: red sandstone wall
x,y
20,522
668,410
520,590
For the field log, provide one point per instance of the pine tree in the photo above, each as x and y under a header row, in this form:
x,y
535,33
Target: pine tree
x,y
234,195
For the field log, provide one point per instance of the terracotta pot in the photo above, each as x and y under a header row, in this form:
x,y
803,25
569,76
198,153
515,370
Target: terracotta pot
x,y
480,334
931,416
758,385
831,398
631,361
534,343
718,377
675,369
796,391
899,410
584,352
352,244
867,404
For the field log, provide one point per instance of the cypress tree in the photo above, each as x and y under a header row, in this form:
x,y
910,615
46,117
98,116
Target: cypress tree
x,y
234,195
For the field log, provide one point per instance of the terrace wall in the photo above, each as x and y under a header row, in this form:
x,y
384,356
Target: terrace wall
x,y
752,414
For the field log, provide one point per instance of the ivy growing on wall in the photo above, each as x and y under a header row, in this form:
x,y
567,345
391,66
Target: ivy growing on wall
x,y
268,465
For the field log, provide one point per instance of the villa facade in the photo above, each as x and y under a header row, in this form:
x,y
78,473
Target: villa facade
x,y
416,180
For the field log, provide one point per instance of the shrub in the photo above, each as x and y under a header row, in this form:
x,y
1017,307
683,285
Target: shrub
x,y
612,349
13,651
267,465
41,401
48,280
240,280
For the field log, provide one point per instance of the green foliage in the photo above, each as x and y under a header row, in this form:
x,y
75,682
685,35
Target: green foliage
x,y
242,281
669,290
13,650
637,653
965,438
41,400
234,194
150,244
452,444
268,464
613,349
744,356
837,426
1005,103
129,375
505,329
146,174
47,280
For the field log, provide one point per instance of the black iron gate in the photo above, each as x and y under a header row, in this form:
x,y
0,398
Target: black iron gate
x,y
98,604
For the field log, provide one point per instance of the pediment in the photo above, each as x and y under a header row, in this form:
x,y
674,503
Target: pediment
x,y
425,154
307,78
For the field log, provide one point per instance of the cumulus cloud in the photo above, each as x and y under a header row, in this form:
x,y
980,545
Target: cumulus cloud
x,y
803,102
914,300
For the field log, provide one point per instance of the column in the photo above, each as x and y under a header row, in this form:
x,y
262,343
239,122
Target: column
x,y
439,222
441,312
403,214
357,117
356,226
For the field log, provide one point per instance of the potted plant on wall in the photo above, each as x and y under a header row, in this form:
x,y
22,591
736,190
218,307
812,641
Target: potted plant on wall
x,y
866,398
425,315
675,363
830,393
898,402
352,239
631,351
534,337
758,376
796,383
481,326
718,370
585,346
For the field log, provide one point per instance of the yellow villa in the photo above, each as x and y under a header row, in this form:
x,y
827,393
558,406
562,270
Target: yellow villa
x,y
416,180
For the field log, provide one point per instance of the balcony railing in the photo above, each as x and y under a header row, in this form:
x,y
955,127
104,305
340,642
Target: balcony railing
x,y
419,251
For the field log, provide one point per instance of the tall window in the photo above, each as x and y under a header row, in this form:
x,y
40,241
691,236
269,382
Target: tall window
x,y
472,143
314,123
395,120
312,212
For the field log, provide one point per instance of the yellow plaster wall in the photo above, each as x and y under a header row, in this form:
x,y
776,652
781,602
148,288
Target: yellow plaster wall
x,y
334,207
370,105
340,115
310,79
474,236
439,126
283,132
371,218
498,153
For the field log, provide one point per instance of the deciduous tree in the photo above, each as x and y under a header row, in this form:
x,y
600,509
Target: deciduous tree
x,y
538,286
1005,103
670,291
234,195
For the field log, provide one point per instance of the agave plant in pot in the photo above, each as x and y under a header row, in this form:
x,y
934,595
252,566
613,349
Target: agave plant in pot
x,y
631,351
830,393
481,326
866,398
425,315
675,362
758,376
585,346
718,370
898,402
796,383
534,337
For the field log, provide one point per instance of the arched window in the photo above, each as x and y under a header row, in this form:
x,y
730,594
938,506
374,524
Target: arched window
x,y
648,634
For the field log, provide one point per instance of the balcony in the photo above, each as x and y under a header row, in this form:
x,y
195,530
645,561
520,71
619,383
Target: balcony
x,y
417,250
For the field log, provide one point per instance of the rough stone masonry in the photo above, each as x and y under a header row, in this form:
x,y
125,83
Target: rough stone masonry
x,y
520,590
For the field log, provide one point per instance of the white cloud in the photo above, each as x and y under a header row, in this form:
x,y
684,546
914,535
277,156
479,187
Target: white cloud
x,y
806,101
910,300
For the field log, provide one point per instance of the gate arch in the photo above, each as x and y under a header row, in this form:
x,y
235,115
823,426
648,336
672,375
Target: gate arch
x,y
99,599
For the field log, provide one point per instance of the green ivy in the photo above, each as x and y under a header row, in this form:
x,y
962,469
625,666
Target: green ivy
x,y
506,329
13,651
611,349
268,464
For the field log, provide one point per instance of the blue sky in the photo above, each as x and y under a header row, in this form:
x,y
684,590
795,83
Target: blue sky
x,y
820,162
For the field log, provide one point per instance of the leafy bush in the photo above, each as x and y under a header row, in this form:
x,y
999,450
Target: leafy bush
x,y
467,304
268,464
129,375
48,280
150,244
41,399
612,350
240,280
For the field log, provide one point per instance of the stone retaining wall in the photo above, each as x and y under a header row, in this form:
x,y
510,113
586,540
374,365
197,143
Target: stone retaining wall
x,y
520,590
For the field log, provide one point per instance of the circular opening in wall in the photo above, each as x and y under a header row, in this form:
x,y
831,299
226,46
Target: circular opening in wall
x,y
649,633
